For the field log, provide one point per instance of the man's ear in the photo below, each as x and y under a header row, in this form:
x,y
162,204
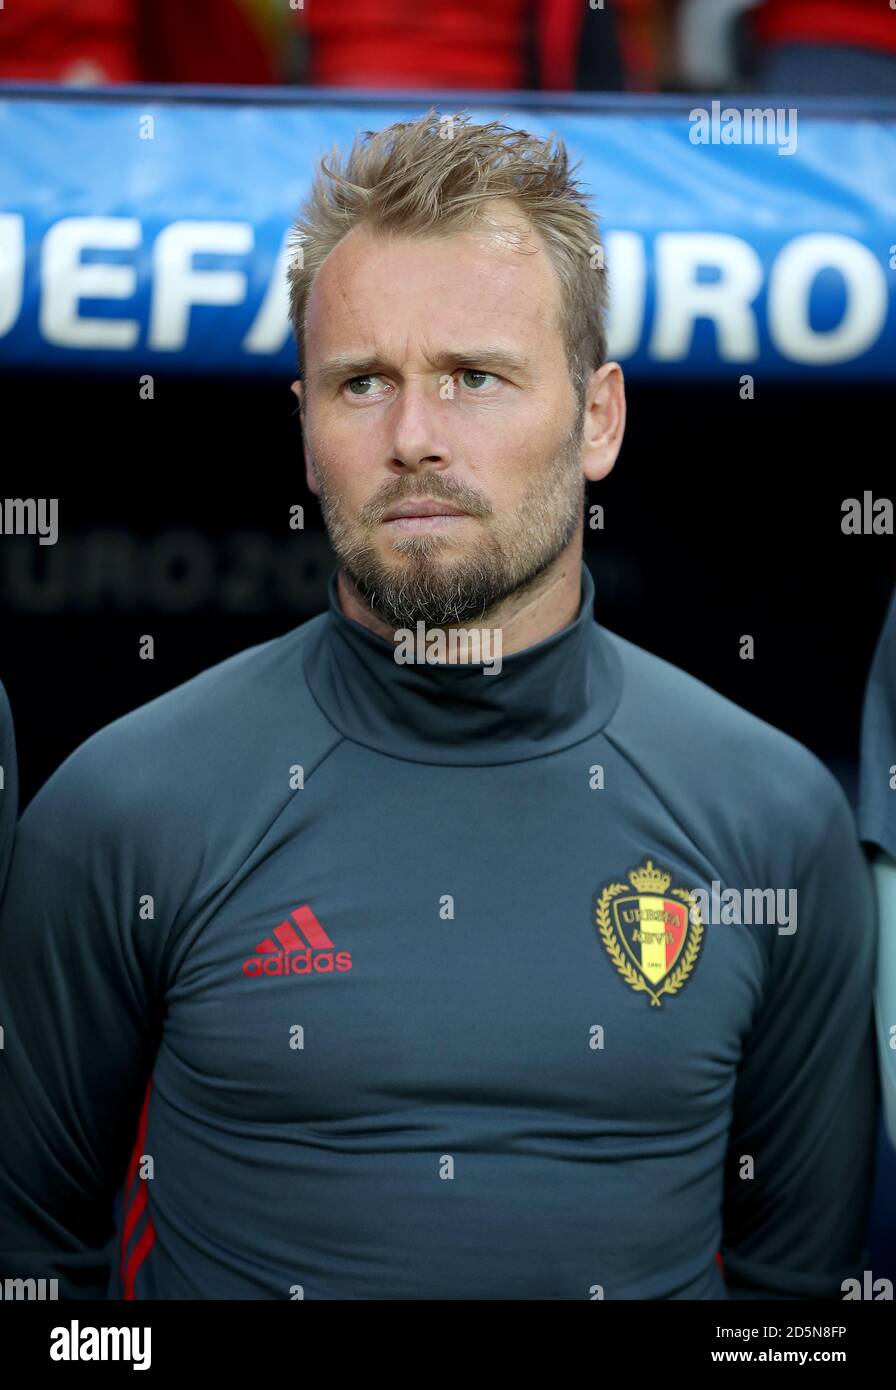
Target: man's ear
x,y
604,423
297,389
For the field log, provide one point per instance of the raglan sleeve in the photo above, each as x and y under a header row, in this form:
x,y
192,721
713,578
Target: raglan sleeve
x,y
78,1012
799,1167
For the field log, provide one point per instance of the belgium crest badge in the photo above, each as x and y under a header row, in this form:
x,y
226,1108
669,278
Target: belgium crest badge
x,y
652,935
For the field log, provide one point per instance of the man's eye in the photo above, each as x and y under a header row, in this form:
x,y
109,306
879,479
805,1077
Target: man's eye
x,y
356,385
353,381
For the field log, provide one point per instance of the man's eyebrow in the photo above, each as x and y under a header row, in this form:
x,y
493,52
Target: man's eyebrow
x,y
345,365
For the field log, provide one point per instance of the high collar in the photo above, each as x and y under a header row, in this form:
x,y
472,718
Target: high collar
x,y
544,698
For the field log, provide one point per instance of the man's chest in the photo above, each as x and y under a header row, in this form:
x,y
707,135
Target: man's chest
x,y
464,937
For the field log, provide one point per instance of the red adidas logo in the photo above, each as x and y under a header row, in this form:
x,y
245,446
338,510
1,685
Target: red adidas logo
x,y
303,949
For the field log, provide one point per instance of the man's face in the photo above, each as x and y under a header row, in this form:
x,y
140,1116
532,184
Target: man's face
x,y
454,388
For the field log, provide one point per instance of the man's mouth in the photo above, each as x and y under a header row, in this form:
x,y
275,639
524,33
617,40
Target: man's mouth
x,y
423,515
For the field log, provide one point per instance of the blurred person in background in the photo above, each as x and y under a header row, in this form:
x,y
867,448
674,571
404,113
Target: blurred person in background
x,y
826,47
556,45
803,47
99,41
552,45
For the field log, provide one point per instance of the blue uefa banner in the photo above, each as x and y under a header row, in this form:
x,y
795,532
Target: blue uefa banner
x,y
147,229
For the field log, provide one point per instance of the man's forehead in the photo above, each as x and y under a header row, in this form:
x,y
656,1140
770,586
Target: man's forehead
x,y
480,284
496,221
495,257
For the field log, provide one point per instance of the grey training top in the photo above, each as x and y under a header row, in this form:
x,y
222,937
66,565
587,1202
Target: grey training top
x,y
360,979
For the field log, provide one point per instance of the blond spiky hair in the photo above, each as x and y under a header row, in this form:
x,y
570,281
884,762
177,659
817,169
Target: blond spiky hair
x,y
431,176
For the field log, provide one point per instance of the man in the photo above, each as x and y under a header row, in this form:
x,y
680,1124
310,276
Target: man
x,y
410,915
877,826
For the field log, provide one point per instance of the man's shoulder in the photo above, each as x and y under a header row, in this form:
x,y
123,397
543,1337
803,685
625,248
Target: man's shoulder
x,y
209,735
672,725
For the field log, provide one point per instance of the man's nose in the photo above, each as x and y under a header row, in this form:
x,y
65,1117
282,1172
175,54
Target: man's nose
x,y
420,420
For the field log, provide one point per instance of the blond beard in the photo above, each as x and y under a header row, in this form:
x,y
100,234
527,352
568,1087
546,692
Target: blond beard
x,y
513,557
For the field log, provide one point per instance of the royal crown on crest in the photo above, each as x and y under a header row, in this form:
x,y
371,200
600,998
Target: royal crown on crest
x,y
647,879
